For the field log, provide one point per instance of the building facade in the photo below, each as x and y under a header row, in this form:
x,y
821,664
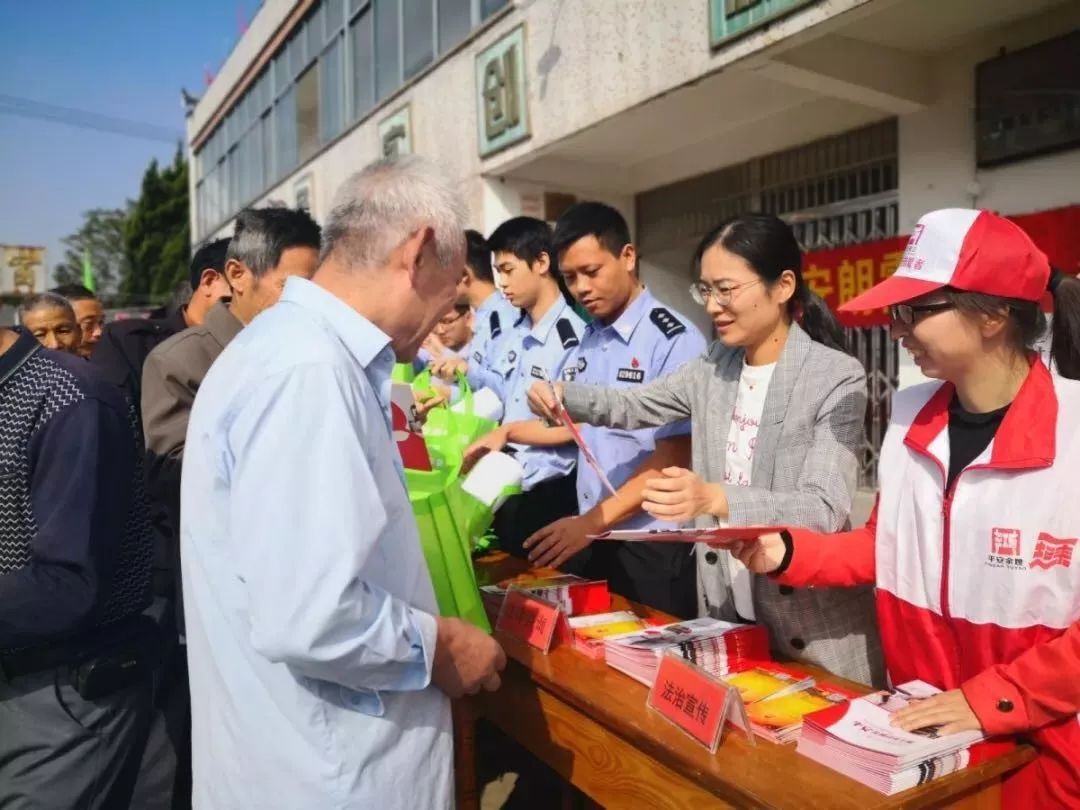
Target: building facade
x,y
850,118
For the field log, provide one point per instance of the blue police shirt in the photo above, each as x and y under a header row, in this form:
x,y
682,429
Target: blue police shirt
x,y
493,322
648,341
530,352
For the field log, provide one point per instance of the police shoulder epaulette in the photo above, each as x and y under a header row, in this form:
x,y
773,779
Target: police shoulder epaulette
x,y
666,322
566,333
495,324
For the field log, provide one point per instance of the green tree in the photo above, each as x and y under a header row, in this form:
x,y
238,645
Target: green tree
x,y
101,235
157,234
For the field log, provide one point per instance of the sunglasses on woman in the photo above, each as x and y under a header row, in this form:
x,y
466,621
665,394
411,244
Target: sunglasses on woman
x,y
909,314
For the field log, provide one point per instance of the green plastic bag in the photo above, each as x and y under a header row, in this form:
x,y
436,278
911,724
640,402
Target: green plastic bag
x,y
403,373
451,521
447,432
448,518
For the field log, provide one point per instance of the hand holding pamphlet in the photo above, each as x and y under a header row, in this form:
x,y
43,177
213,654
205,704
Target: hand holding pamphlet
x,y
857,738
579,440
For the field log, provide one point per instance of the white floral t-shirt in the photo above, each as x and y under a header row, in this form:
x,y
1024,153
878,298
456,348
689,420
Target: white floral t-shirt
x,y
742,436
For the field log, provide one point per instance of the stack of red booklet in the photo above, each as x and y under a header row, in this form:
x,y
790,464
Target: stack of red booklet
x,y
574,595
777,699
716,646
857,739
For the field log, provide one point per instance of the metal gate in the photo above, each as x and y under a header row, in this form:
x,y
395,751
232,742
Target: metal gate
x,y
838,191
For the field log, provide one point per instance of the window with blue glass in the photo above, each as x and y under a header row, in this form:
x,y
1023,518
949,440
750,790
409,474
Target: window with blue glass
x,y
345,59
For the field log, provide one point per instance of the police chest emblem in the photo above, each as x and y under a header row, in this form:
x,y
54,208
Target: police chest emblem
x,y
582,364
512,357
477,356
634,375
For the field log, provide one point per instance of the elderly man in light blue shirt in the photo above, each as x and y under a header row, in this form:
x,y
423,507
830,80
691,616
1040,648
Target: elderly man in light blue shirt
x,y
319,668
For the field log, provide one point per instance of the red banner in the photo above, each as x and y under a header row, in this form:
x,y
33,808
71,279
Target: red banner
x,y
840,274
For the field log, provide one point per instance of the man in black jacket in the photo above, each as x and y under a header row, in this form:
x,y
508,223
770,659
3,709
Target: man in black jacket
x,y
76,654
125,344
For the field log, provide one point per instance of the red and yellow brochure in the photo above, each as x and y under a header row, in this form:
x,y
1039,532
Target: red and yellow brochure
x,y
765,679
789,709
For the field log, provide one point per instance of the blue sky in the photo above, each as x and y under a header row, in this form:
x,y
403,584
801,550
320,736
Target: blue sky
x,y
124,58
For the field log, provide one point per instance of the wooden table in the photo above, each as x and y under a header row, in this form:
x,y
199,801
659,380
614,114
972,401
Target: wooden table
x,y
591,725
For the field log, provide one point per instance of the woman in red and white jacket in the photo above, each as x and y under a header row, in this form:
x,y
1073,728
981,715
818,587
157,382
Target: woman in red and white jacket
x,y
973,542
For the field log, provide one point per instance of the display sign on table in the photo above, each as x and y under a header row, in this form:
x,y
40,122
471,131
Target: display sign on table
x,y
696,702
530,619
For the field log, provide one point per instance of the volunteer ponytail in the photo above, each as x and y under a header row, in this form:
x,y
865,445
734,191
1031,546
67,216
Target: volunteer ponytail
x,y
1028,322
1065,330
768,245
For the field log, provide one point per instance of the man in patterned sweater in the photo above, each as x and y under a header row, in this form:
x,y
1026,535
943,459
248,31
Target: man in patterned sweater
x,y
75,651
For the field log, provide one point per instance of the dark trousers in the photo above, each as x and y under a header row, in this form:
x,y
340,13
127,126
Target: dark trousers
x,y
660,575
164,781
59,750
527,513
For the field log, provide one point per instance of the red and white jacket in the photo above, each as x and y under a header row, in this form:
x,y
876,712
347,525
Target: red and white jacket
x,y
979,588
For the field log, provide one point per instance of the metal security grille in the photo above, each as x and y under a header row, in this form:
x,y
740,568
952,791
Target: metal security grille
x,y
838,191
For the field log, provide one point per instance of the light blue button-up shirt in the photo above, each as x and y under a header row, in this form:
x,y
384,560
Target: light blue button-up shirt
x,y
310,610
530,352
493,322
648,341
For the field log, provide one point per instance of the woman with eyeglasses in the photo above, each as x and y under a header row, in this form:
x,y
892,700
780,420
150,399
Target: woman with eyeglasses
x,y
776,409
973,544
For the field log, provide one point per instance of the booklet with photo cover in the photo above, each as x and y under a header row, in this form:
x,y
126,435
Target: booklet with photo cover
x,y
718,647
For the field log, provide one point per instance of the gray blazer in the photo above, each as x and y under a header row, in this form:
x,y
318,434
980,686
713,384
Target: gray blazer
x,y
804,474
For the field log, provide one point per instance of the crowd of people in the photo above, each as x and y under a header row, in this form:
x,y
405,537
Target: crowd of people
x,y
212,590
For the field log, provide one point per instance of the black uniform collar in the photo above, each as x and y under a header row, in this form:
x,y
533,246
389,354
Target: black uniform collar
x,y
176,320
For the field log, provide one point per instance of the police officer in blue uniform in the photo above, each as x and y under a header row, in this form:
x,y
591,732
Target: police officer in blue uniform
x,y
632,340
493,320
540,339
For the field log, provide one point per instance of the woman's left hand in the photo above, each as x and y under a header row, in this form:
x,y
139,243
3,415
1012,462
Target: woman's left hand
x,y
681,495
950,710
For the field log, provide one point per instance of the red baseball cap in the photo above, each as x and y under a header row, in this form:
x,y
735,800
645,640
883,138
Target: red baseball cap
x,y
965,249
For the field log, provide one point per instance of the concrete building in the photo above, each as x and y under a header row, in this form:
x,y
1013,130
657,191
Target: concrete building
x,y
848,117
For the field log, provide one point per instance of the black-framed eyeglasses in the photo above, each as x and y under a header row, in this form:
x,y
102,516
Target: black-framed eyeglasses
x,y
446,322
909,314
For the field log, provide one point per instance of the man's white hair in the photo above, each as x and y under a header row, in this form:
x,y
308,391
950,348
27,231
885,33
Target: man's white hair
x,y
380,206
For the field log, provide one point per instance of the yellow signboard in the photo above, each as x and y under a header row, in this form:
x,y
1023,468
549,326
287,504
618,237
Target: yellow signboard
x,y
22,269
